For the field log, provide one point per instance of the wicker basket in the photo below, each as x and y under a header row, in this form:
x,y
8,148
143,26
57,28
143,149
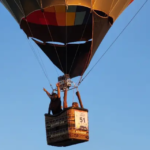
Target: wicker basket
x,y
67,128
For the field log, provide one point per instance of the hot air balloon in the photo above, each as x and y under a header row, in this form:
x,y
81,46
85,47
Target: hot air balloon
x,y
80,26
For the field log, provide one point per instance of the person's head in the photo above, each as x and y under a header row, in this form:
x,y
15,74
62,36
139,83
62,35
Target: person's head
x,y
54,96
75,104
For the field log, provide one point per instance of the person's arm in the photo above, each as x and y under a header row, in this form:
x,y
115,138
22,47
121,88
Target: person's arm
x,y
47,92
58,89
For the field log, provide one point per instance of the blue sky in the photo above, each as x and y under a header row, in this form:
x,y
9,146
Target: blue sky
x,y
116,92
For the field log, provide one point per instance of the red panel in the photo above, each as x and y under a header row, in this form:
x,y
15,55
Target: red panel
x,y
42,18
50,18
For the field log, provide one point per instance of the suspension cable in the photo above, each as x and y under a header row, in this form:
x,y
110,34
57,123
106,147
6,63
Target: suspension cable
x,y
41,5
66,8
52,40
113,42
38,51
33,50
79,44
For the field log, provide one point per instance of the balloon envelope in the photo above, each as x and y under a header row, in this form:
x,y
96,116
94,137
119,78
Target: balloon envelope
x,y
67,21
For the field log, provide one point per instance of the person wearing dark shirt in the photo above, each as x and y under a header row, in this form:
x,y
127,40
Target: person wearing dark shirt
x,y
55,103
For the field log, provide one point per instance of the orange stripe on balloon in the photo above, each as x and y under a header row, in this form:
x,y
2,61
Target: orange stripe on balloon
x,y
61,19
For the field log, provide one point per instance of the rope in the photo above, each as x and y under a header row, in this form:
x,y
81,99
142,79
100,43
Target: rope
x,y
66,33
73,96
52,40
41,5
33,50
79,44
